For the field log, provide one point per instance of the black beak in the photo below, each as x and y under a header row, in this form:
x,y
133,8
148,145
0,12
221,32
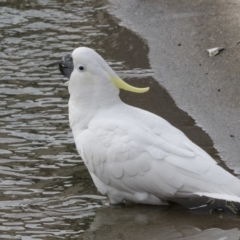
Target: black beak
x,y
65,65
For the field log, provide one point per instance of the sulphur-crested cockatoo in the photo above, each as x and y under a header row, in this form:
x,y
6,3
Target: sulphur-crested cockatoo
x,y
132,154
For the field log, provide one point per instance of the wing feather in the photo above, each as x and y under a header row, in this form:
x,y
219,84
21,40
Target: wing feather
x,y
130,168
160,160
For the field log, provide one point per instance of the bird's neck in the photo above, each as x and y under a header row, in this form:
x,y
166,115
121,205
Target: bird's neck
x,y
84,105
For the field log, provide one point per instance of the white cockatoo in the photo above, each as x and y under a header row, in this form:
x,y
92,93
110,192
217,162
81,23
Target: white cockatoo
x,y
132,154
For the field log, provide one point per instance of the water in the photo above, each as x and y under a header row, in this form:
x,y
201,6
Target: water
x,y
45,190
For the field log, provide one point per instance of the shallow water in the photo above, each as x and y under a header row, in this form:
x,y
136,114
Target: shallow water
x,y
45,190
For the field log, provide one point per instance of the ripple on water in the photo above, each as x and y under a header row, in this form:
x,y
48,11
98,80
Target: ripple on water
x,y
42,178
45,191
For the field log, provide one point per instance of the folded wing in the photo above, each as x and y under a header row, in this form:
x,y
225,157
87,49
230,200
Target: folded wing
x,y
158,160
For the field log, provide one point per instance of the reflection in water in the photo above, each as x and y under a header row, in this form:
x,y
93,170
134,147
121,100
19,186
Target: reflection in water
x,y
46,192
150,222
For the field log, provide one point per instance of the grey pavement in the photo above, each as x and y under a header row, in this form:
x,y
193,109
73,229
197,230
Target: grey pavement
x,y
178,34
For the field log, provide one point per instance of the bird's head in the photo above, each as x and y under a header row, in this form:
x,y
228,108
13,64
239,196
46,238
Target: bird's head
x,y
85,67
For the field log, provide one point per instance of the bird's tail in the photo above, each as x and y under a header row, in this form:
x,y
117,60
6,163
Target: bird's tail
x,y
227,197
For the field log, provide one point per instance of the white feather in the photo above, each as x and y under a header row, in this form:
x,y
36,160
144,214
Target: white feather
x,y
132,154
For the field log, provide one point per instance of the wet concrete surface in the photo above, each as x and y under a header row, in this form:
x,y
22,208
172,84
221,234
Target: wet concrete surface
x,y
178,34
46,191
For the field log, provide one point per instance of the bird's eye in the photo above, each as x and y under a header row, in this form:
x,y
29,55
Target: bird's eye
x,y
81,68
